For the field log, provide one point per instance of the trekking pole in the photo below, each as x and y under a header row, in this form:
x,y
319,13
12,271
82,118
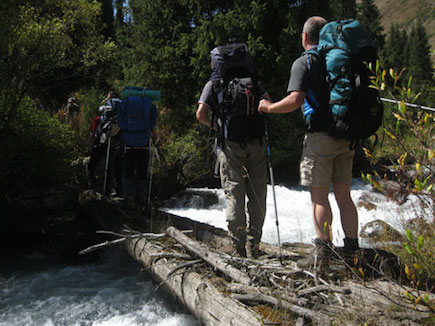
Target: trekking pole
x,y
106,168
150,178
273,188
408,104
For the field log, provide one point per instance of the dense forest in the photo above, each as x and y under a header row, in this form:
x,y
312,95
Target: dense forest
x,y
52,50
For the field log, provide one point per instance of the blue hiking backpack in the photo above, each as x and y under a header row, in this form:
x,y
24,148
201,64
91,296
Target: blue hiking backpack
x,y
136,116
354,107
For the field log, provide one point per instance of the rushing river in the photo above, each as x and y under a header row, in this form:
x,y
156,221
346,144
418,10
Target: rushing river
x,y
40,290
294,212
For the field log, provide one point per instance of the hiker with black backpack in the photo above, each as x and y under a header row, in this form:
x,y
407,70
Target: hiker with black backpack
x,y
106,145
331,84
137,118
231,98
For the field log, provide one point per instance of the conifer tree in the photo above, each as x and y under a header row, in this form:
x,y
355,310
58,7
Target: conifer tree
x,y
107,18
368,15
119,5
344,9
420,67
395,51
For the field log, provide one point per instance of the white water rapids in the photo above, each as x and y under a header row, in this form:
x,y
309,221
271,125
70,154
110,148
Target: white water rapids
x,y
295,212
37,290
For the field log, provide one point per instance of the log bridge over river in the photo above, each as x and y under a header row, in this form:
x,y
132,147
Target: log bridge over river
x,y
192,261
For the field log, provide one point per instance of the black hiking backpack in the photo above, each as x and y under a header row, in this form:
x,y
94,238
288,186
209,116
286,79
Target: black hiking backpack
x,y
355,111
236,89
107,119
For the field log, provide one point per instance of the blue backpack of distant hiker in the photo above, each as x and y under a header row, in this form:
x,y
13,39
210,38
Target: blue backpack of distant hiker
x,y
135,118
354,111
236,90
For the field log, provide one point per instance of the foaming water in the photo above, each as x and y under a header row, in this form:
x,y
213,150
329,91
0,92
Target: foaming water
x,y
294,212
38,290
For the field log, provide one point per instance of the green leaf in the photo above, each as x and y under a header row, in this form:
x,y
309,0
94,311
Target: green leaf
x,y
426,298
408,249
409,82
420,242
426,180
409,235
418,185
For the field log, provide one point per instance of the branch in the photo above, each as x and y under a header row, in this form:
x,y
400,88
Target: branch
x,y
202,251
102,245
172,272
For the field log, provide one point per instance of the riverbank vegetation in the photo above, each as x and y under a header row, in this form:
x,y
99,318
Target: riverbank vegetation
x,y
54,49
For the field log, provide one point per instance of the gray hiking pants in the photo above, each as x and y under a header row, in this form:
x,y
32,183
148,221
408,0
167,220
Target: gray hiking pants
x,y
238,182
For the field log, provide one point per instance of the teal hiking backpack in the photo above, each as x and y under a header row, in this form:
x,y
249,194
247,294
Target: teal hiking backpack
x,y
346,49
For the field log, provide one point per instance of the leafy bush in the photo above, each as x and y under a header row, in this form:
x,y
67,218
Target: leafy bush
x,y
37,149
411,145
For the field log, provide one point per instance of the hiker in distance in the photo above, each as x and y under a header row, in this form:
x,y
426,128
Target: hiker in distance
x,y
231,97
137,118
325,159
106,146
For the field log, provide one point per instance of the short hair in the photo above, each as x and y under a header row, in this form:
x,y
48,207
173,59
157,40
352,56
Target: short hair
x,y
312,27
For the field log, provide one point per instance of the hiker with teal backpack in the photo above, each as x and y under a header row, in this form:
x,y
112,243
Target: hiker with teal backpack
x,y
331,84
137,118
231,98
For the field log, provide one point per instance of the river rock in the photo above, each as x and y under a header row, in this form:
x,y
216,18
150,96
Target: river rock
x,y
367,201
193,198
380,231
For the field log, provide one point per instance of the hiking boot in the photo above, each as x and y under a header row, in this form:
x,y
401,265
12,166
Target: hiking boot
x,y
350,245
252,250
319,260
349,252
240,249
322,253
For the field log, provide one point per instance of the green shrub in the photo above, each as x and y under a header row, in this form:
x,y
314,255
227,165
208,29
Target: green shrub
x,y
36,148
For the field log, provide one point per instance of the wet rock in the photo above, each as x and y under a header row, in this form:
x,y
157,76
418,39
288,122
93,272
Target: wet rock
x,y
367,201
394,191
193,198
379,231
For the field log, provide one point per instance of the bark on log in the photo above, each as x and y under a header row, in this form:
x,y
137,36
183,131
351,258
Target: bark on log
x,y
194,291
208,256
319,318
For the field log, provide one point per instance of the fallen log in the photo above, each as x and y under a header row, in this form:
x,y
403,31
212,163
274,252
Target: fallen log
x,y
201,250
194,291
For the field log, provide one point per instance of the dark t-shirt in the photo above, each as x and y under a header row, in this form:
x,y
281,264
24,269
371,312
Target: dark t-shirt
x,y
312,81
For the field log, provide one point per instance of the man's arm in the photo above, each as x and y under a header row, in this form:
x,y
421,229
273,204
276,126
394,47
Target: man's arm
x,y
202,115
288,104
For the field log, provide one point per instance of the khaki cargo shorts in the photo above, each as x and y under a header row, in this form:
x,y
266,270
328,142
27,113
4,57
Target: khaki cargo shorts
x,y
324,160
